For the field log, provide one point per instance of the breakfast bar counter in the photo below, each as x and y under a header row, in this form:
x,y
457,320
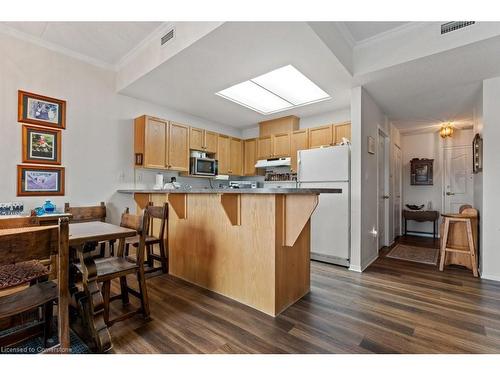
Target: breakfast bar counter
x,y
251,245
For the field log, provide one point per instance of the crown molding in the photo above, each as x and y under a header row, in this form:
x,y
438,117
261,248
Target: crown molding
x,y
390,33
344,31
54,47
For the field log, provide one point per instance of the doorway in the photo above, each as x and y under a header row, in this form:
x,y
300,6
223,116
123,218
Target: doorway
x,y
383,189
458,188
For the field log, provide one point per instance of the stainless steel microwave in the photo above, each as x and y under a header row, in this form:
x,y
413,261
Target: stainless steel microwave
x,y
203,167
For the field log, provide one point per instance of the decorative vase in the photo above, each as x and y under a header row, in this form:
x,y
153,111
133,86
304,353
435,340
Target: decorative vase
x,y
49,207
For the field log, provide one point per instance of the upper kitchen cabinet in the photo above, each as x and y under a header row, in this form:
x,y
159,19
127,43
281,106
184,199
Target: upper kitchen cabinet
x,y
178,147
264,147
202,140
342,131
299,141
236,157
223,153
150,142
280,125
249,157
321,136
281,144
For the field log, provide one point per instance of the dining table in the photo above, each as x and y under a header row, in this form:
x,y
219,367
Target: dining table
x,y
87,302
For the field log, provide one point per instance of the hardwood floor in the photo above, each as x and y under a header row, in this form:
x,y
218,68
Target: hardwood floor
x,y
393,307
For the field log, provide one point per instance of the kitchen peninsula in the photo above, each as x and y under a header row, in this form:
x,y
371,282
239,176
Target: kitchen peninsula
x,y
251,245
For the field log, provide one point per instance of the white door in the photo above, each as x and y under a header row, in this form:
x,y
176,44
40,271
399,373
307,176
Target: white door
x,y
397,159
458,180
383,194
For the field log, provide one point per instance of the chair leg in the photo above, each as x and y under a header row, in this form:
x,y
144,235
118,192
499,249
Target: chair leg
x,y
124,290
112,248
149,252
444,243
127,248
102,250
163,257
47,330
106,295
144,294
472,249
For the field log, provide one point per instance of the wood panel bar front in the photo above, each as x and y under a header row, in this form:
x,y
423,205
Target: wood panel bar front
x,y
258,255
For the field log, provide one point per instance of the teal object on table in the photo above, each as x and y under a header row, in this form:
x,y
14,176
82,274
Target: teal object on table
x,y
39,211
49,207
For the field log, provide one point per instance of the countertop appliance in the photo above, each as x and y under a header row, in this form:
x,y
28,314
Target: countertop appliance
x,y
273,162
203,166
330,223
242,184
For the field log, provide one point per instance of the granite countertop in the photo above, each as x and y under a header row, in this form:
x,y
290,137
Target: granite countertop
x,y
234,191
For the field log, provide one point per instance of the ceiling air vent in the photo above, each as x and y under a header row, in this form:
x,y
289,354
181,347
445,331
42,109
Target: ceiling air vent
x,y
448,27
165,38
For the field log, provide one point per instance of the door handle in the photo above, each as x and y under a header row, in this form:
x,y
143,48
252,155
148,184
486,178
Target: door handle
x,y
386,196
449,193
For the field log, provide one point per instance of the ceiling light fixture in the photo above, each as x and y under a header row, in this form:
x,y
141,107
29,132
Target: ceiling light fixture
x,y
278,90
446,130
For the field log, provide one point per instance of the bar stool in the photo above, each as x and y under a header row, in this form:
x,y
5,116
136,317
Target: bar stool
x,y
464,234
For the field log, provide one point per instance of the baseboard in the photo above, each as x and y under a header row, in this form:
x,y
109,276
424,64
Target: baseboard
x,y
355,268
370,262
490,277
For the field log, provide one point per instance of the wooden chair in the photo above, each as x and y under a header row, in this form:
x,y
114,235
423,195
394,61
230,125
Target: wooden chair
x,y
86,214
459,239
19,245
160,214
119,267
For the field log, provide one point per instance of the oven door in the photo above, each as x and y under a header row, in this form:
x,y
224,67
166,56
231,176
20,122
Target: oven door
x,y
204,167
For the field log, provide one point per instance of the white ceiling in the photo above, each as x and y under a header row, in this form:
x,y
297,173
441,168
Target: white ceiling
x,y
107,42
364,30
238,51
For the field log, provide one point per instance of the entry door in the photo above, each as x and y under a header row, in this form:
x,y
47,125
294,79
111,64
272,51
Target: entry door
x,y
397,159
458,184
382,191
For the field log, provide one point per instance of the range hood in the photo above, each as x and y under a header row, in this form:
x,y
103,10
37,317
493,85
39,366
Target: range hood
x,y
274,162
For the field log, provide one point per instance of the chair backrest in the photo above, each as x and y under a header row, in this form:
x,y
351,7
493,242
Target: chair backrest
x,y
139,223
464,207
158,213
86,214
19,222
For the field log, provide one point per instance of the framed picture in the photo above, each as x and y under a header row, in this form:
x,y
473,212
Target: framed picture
x,y
41,110
38,180
41,145
477,151
421,171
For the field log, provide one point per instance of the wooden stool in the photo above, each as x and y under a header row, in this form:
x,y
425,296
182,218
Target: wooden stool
x,y
462,230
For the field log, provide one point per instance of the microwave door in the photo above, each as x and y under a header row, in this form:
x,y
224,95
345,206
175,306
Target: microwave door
x,y
205,167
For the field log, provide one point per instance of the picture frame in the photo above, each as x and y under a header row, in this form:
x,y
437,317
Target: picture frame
x,y
41,110
371,145
41,145
477,154
35,180
421,171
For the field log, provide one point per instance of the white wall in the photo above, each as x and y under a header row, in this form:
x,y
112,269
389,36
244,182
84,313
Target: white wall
x,y
428,145
491,180
395,141
366,118
97,146
332,117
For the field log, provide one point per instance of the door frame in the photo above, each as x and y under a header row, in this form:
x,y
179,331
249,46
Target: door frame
x,y
443,174
400,172
382,133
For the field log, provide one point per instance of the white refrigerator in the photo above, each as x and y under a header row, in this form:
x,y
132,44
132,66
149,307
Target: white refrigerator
x,y
331,221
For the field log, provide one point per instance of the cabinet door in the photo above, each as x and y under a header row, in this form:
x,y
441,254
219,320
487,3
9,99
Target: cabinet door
x,y
236,157
196,139
281,144
223,147
210,142
154,143
250,157
178,147
299,141
264,147
343,130
321,136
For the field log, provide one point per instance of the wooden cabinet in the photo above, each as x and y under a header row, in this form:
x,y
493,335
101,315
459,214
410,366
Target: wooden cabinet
x,y
264,147
299,141
223,153
281,145
236,157
342,131
202,140
161,144
210,142
178,147
321,136
285,124
249,157
149,142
